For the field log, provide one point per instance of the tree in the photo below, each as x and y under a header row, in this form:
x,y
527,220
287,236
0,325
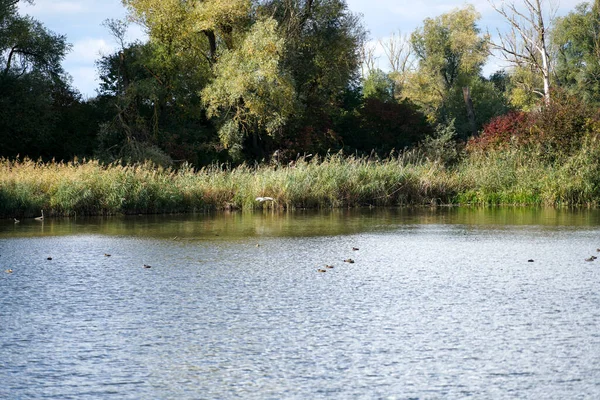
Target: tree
x,y
451,52
40,114
577,40
526,45
323,39
251,92
398,51
155,95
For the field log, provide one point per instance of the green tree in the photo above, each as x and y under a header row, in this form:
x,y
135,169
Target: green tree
x,y
251,92
577,39
451,51
379,85
322,53
40,114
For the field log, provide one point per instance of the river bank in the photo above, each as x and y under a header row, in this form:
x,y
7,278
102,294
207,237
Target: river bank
x,y
497,178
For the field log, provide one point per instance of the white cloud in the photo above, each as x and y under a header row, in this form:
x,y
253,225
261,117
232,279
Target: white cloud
x,y
88,50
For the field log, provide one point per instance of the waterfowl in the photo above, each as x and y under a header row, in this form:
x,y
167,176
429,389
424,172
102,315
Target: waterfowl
x,y
40,218
106,255
321,270
329,266
147,266
590,259
49,258
263,199
349,260
355,248
529,260
9,271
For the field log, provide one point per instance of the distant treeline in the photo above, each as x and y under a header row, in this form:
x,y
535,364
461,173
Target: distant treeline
x,y
275,80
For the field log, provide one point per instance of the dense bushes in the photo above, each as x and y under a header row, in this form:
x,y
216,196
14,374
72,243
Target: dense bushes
x,y
550,132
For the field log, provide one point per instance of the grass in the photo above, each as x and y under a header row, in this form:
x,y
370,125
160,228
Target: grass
x,y
514,176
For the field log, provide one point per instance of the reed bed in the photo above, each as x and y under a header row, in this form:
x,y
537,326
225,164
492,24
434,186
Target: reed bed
x,y
90,188
510,177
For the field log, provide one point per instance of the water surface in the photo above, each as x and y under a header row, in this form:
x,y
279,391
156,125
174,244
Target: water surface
x,y
439,303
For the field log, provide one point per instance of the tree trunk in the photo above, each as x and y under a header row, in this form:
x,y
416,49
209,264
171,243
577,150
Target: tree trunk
x,y
470,110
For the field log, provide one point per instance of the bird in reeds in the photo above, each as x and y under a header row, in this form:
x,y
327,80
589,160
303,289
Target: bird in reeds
x,y
40,218
263,199
147,266
16,221
321,270
9,271
349,261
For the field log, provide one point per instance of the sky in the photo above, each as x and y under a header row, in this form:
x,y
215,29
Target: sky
x,y
81,21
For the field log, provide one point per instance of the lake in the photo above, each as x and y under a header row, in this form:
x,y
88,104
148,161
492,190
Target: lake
x,y
438,303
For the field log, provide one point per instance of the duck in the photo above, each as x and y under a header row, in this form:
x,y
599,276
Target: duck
x,y
9,271
106,255
40,218
590,258
49,258
329,266
355,249
147,266
321,270
349,260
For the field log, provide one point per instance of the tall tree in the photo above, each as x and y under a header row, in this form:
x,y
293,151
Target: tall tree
x,y
577,39
450,51
40,114
251,92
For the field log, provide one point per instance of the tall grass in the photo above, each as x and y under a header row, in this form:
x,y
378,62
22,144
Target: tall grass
x,y
86,188
513,176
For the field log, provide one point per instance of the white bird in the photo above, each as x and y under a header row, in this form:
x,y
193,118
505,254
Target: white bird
x,y
16,221
40,218
262,199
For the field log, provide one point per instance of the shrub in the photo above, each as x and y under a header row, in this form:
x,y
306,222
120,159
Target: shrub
x,y
500,132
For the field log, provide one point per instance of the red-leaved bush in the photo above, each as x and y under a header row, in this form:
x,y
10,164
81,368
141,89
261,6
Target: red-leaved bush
x,y
556,129
500,132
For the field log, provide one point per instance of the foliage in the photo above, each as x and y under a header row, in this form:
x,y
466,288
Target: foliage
x,y
250,91
500,132
577,37
40,114
451,52
322,42
379,85
552,131
441,146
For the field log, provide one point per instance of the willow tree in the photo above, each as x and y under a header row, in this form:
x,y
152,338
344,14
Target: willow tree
x,y
251,92
450,51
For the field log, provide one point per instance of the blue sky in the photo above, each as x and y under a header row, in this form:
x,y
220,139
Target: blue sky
x,y
81,21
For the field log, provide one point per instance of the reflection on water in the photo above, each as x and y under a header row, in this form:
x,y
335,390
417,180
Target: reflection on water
x,y
299,224
440,303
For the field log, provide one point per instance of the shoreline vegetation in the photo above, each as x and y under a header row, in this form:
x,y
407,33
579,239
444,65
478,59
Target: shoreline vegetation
x,y
507,177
